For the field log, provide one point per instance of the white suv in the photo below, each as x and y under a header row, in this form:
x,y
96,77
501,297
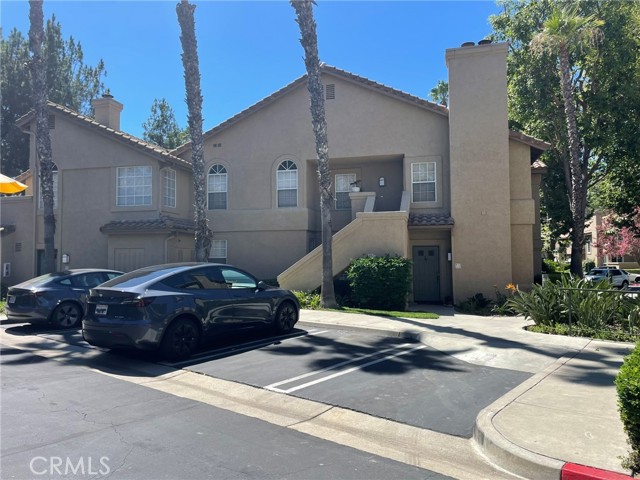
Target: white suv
x,y
616,277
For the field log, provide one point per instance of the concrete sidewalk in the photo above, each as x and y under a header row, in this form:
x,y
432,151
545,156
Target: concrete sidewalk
x,y
565,414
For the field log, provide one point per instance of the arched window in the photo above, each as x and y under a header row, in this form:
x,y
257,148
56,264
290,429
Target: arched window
x,y
287,184
217,188
54,173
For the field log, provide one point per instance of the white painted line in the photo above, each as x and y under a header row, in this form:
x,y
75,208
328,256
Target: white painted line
x,y
332,367
352,369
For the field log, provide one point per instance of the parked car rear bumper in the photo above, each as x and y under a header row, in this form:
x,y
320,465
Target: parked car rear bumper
x,y
29,315
138,336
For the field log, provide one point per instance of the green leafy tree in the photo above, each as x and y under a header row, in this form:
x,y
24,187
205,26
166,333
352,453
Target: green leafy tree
x,y
309,41
43,142
564,33
440,93
601,91
161,127
191,65
69,82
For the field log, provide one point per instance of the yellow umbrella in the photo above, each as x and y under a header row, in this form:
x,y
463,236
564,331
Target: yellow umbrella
x,y
9,185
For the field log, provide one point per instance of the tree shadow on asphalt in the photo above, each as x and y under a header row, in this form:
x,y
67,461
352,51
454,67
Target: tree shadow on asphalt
x,y
382,355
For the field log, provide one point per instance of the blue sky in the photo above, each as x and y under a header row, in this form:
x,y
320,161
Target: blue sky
x,y
248,50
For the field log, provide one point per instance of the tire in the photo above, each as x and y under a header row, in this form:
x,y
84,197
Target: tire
x,y
624,285
181,339
286,317
67,315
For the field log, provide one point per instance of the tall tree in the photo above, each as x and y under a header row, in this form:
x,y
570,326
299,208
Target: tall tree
x,y
161,127
191,65
70,82
309,41
440,93
565,32
43,142
607,101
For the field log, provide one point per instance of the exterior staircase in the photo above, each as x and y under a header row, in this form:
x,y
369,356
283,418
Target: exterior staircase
x,y
370,233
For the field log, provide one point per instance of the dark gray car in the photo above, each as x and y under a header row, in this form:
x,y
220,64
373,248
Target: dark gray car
x,y
55,297
174,307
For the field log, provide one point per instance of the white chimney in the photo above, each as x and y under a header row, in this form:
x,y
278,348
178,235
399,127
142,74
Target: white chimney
x,y
107,111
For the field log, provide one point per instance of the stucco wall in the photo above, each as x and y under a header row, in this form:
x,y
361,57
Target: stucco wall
x,y
17,211
480,185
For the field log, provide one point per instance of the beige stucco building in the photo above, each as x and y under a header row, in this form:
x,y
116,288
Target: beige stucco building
x,y
451,188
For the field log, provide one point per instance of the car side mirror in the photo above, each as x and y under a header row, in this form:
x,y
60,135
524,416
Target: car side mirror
x,y
262,286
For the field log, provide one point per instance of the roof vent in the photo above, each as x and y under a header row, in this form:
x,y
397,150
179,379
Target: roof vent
x,y
468,44
331,91
485,41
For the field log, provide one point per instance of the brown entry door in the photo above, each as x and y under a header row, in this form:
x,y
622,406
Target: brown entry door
x,y
426,274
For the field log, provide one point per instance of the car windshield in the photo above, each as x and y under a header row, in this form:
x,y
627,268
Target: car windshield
x,y
597,272
138,277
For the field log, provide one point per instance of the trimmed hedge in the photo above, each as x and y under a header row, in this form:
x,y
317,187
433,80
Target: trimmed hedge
x,y
381,283
628,387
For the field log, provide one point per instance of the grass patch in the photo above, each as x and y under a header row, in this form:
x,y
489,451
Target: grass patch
x,y
2,307
389,313
610,333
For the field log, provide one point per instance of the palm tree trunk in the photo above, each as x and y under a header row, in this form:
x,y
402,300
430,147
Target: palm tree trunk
x,y
309,41
43,141
194,104
577,192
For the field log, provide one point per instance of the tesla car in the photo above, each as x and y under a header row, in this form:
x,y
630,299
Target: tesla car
x,y
55,297
173,307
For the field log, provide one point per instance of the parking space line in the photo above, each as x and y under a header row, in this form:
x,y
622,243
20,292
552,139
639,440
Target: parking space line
x,y
274,386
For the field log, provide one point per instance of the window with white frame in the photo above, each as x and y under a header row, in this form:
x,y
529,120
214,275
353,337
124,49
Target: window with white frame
x,y
169,187
54,175
587,244
287,184
217,188
343,187
133,186
218,252
423,182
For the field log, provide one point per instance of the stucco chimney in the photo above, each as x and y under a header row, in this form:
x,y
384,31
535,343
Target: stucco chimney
x,y
107,111
479,162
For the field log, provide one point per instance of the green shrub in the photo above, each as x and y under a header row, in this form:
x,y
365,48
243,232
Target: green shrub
x,y
549,266
628,387
588,266
478,304
380,282
308,300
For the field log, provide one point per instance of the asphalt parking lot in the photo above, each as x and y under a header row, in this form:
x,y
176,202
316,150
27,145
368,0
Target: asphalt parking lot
x,y
387,377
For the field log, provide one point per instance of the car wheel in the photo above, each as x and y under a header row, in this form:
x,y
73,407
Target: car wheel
x,y
286,317
67,315
180,340
624,285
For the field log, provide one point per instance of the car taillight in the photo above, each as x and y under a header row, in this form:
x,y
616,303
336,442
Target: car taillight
x,y
138,301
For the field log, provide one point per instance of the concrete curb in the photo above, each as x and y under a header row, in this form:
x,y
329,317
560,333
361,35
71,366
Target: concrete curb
x,y
502,451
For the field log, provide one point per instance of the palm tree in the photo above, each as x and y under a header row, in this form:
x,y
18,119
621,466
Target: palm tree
x,y
194,104
565,33
43,141
309,41
440,93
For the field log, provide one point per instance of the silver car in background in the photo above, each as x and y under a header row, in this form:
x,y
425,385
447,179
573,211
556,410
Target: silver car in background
x,y
615,276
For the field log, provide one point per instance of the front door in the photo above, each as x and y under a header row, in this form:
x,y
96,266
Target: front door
x,y
426,274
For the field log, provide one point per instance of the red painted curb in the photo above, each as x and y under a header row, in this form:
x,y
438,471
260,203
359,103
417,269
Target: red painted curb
x,y
572,471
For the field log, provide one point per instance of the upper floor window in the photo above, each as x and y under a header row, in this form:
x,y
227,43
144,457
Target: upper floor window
x,y
423,182
54,173
133,186
169,188
217,188
343,187
287,184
